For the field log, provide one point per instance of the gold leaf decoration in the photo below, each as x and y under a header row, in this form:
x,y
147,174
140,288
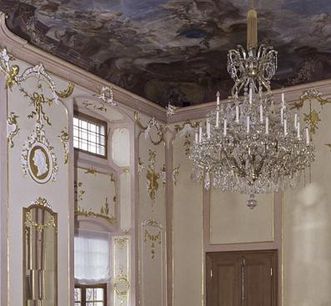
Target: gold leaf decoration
x,y
121,285
310,95
152,176
64,138
89,213
39,226
66,93
121,242
312,119
152,234
91,171
11,76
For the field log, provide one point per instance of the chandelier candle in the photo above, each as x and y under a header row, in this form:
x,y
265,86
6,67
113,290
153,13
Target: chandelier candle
x,y
259,149
307,136
237,114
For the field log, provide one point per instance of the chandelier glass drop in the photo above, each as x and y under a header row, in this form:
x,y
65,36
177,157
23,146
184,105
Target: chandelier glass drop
x,y
250,144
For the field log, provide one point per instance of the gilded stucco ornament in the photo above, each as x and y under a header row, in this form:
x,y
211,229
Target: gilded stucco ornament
x,y
89,213
121,242
79,191
64,138
29,219
12,128
10,71
186,130
152,176
147,129
121,285
105,96
175,173
38,158
152,234
170,110
312,118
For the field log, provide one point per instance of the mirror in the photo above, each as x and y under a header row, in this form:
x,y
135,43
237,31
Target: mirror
x,y
40,255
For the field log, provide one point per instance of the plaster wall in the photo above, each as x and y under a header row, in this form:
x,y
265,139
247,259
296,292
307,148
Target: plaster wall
x,y
231,221
151,217
188,258
208,221
23,190
307,227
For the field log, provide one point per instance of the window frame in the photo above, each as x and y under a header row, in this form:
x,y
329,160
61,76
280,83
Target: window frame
x,y
97,121
83,288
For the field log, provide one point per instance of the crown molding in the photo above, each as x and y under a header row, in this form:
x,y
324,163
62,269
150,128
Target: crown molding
x,y
21,49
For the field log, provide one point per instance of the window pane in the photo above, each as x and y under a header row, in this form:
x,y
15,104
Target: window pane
x,y
89,294
77,294
98,294
89,135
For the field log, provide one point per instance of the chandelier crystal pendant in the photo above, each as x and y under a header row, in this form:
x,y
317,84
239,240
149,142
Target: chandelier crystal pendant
x,y
250,144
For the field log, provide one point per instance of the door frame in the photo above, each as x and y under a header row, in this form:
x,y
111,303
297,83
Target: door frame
x,y
273,252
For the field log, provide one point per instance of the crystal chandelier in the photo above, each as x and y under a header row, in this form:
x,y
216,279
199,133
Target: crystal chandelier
x,y
250,144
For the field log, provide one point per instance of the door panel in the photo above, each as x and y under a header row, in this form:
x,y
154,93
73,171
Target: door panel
x,y
242,278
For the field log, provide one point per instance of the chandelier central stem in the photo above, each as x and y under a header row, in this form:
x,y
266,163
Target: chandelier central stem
x,y
251,29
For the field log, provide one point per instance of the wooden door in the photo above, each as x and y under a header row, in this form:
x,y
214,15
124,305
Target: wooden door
x,y
242,278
